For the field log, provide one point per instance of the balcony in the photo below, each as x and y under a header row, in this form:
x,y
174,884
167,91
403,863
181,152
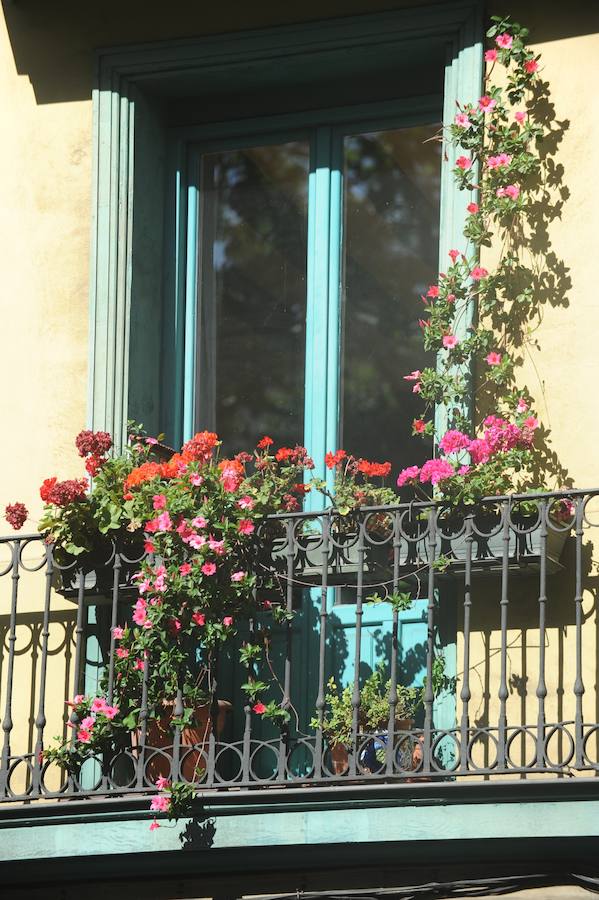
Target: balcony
x,y
486,622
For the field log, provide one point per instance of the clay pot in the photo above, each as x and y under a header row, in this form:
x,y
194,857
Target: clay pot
x,y
159,736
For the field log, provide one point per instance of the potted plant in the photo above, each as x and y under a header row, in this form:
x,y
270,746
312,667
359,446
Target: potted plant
x,y
373,722
198,518
353,541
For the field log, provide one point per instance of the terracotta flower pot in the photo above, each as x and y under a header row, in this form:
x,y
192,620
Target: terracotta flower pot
x,y
159,737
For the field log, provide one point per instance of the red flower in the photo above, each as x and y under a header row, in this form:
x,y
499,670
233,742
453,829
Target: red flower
x,y
93,464
283,454
62,493
259,708
200,447
531,66
265,442
373,469
419,426
16,515
332,460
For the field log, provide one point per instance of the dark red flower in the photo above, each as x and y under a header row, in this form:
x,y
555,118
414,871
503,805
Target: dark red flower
x,y
16,515
62,493
93,443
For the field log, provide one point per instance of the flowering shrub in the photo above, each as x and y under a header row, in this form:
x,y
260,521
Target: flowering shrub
x,y
499,145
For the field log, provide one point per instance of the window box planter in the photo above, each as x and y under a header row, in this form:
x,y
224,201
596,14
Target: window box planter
x,y
98,573
343,559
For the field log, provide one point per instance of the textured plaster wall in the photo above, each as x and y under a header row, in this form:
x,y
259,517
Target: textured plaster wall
x,y
46,69
562,372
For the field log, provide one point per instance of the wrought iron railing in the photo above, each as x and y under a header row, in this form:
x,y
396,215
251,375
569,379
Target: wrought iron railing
x,y
488,615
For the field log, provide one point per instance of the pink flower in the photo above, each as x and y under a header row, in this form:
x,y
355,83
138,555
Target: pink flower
x,y
520,117
504,40
473,208
486,103
228,621
238,576
154,825
160,804
409,474
199,522
450,341
436,470
122,652
454,255
512,191
151,441
413,376
522,406
450,298
77,699
199,618
462,120
463,470
453,441
245,502
139,665
259,708
209,568
419,426
417,388
495,162
245,526
117,632
149,547
196,541
174,627
478,272
84,736
531,66
162,783
493,358
479,451
88,723
98,704
217,547
111,711
433,291
195,479
185,569
159,501
463,162
491,56
531,422
164,522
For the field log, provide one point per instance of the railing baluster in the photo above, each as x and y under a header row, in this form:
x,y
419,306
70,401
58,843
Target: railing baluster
x,y
465,692
503,607
322,646
355,702
542,685
113,623
578,683
40,719
247,713
143,726
390,749
429,695
286,701
7,722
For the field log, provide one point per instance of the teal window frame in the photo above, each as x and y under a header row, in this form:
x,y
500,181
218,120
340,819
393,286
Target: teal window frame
x,y
118,118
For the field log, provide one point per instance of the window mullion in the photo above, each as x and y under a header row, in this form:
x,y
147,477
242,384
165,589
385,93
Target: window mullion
x,y
321,412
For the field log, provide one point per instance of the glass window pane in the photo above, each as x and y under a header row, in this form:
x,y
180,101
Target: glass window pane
x,y
251,325
391,242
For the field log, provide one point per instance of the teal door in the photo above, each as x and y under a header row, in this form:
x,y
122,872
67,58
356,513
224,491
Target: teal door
x,y
306,255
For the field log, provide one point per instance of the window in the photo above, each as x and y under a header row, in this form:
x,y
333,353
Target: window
x,y
306,254
330,111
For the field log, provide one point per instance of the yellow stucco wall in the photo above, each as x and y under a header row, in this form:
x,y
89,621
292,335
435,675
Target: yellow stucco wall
x,y
46,74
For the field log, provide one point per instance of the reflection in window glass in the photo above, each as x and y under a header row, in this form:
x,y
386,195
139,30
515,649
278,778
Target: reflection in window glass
x,y
391,242
251,325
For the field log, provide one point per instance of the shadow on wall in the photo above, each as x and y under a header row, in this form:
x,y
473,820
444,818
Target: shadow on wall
x,y
524,649
54,43
24,693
